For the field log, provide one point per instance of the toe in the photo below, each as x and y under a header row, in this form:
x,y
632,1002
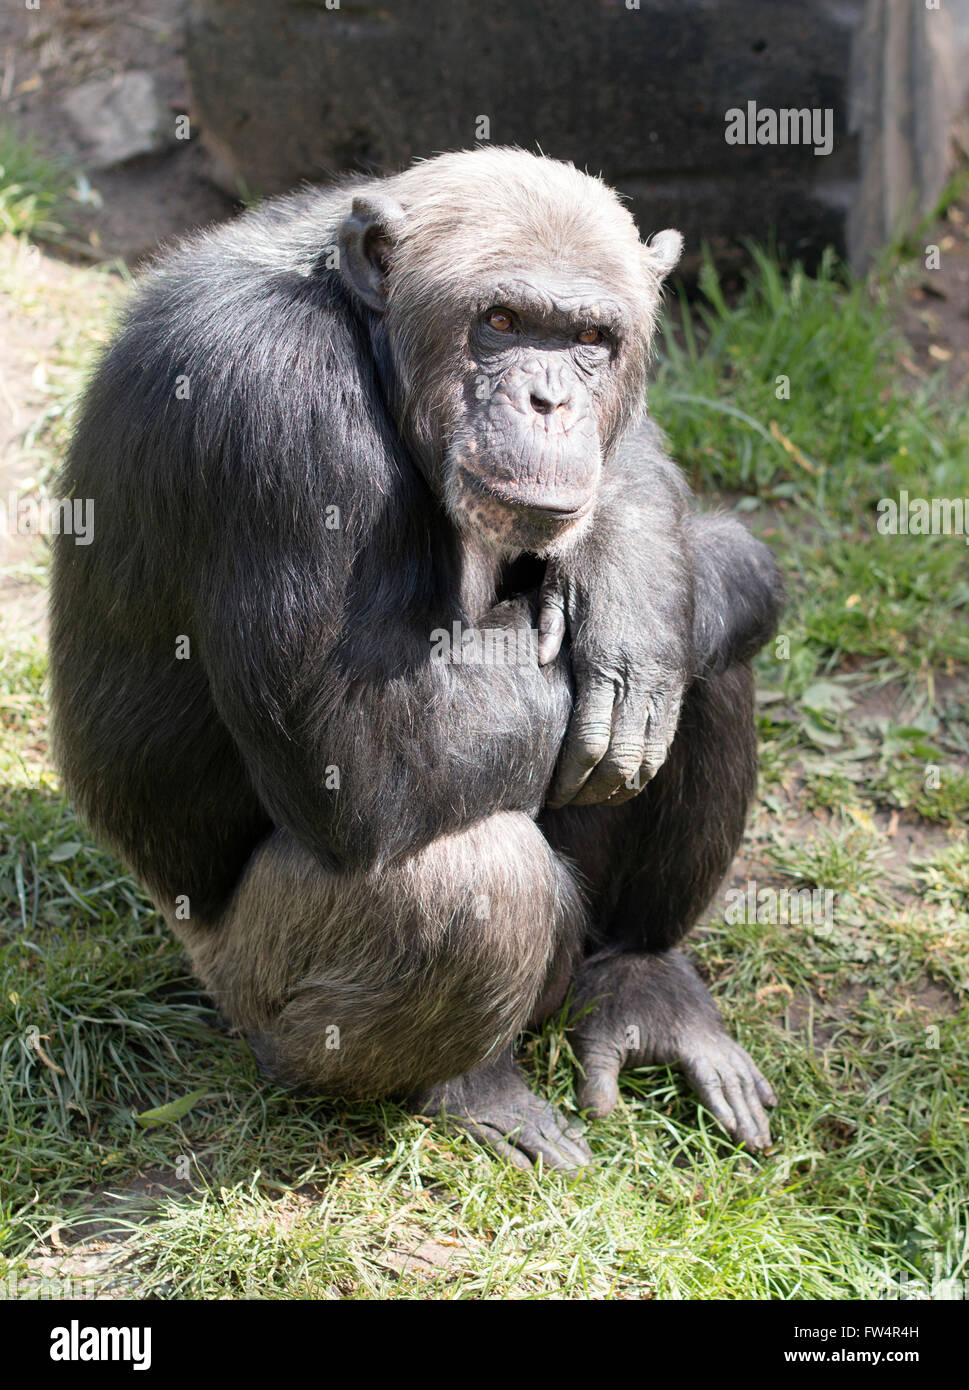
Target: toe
x,y
705,1080
555,1151
546,1134
764,1089
494,1140
599,1087
598,1094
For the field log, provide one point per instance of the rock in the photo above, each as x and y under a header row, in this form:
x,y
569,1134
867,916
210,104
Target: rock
x,y
636,89
117,118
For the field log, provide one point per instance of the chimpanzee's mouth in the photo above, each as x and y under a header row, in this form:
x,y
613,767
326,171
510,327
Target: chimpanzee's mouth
x,y
561,505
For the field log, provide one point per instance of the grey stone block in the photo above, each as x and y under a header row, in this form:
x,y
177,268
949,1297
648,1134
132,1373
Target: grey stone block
x,y
118,118
288,91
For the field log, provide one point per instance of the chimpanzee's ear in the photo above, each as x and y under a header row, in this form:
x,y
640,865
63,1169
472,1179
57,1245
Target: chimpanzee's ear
x,y
367,238
662,252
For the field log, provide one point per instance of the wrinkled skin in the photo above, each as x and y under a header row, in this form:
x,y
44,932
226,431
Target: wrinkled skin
x,y
495,1107
637,1010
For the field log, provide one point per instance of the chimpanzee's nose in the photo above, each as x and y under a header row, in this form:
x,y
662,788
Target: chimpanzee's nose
x,y
548,397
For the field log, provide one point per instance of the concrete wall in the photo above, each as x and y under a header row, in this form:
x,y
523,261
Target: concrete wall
x,y
285,91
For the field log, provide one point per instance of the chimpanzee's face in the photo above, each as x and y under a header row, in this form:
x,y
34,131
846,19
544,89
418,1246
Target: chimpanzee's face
x,y
517,302
539,384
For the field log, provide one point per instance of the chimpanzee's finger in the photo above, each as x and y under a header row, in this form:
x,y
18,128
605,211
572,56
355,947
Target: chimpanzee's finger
x,y
551,617
631,786
551,631
586,742
615,772
661,724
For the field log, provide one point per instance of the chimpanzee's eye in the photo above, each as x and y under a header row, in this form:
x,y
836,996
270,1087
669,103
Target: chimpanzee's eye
x,y
500,320
589,336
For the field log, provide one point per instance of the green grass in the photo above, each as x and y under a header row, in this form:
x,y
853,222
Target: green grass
x,y
33,189
819,462
861,1025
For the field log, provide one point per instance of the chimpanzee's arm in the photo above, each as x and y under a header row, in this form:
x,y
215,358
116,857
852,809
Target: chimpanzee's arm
x,y
286,532
355,737
653,596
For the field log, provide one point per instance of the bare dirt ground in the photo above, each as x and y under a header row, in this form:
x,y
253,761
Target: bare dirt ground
x,y
935,314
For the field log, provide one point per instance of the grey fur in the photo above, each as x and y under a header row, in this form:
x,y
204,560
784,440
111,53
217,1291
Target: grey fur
x,y
427,968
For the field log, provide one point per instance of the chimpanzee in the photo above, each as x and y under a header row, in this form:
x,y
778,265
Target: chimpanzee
x,y
351,421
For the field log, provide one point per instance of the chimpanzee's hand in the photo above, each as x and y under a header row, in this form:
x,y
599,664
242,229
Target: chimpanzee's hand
x,y
630,638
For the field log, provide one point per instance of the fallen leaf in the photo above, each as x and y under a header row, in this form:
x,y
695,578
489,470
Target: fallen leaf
x,y
790,448
65,851
174,1110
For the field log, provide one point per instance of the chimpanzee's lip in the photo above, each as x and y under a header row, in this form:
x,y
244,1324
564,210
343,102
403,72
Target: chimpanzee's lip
x,y
560,506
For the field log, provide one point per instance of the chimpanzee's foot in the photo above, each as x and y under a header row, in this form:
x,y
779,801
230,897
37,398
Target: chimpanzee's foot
x,y
494,1105
654,1008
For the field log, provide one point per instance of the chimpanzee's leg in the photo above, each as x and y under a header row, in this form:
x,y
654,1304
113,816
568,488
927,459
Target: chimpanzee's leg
x,y
652,865
397,981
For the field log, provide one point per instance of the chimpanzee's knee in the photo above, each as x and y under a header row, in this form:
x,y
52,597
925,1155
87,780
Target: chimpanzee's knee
x,y
381,982
739,592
